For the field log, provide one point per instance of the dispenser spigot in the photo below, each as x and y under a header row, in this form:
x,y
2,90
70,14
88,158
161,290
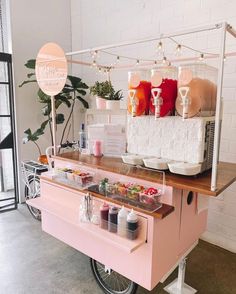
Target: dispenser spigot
x,y
186,101
133,101
157,101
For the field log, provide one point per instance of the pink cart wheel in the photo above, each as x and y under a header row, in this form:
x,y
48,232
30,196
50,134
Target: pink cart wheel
x,y
111,282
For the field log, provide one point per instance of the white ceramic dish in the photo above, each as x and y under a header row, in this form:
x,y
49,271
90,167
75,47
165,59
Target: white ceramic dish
x,y
132,159
157,163
184,168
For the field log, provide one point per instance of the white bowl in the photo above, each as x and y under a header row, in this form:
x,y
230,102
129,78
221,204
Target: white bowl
x,y
132,159
156,163
185,168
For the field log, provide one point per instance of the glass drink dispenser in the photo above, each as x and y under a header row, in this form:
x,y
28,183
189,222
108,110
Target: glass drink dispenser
x,y
139,92
196,90
164,90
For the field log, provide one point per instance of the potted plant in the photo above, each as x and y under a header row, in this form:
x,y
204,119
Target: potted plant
x,y
73,91
101,90
113,100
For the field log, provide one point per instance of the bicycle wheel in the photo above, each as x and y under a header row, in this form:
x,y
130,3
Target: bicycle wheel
x,y
110,281
31,192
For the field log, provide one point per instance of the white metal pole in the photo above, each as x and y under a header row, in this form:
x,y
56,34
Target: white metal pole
x,y
161,36
54,125
218,116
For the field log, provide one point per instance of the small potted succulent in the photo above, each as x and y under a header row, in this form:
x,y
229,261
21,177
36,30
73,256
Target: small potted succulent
x,y
101,90
113,100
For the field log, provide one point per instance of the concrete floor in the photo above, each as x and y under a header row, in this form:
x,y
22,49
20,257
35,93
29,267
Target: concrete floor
x,y
32,262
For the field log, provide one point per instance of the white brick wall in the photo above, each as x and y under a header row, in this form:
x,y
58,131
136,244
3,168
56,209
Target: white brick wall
x,y
107,21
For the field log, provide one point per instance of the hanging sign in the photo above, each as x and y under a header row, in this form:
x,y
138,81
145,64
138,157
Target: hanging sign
x,y
51,69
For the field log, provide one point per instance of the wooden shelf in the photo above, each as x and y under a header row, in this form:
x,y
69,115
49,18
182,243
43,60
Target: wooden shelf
x,y
115,240
200,183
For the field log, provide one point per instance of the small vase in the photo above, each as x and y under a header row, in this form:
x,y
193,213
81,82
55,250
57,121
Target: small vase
x,y
100,103
113,104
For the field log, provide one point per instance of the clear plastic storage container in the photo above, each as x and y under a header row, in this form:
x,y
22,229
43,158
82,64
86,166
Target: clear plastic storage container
x,y
164,90
196,90
139,92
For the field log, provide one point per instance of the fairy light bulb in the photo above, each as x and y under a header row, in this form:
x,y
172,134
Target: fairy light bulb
x,y
94,54
160,48
225,58
94,63
117,59
137,62
164,60
155,62
201,58
99,70
178,50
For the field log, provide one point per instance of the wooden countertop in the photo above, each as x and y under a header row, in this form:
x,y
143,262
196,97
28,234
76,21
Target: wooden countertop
x,y
160,213
200,183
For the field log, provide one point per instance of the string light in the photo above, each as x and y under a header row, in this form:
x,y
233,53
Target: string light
x,y
164,60
94,63
201,58
160,48
118,59
225,58
137,62
178,50
99,69
94,54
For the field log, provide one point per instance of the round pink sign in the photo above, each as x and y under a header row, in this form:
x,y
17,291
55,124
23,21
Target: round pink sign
x,y
185,76
51,69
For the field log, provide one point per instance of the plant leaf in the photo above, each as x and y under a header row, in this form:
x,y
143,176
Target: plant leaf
x,y
82,92
30,63
28,132
63,99
82,86
27,82
46,110
43,98
83,101
74,81
60,118
43,125
29,75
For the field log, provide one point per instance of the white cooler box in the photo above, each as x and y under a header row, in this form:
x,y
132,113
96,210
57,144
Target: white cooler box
x,y
187,144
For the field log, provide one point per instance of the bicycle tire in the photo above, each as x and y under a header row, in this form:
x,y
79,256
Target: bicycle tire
x,y
100,279
36,213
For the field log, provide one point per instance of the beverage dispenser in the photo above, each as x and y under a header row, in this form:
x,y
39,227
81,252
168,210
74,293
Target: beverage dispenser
x,y
196,90
139,92
164,91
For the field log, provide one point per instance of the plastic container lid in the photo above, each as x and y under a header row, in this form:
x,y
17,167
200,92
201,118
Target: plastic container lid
x,y
123,212
104,206
113,209
132,217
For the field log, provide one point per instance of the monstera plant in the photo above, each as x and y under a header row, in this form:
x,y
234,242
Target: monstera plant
x,y
74,90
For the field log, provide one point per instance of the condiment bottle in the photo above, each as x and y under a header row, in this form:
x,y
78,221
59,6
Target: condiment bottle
x,y
112,219
97,148
104,210
122,219
132,225
82,137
